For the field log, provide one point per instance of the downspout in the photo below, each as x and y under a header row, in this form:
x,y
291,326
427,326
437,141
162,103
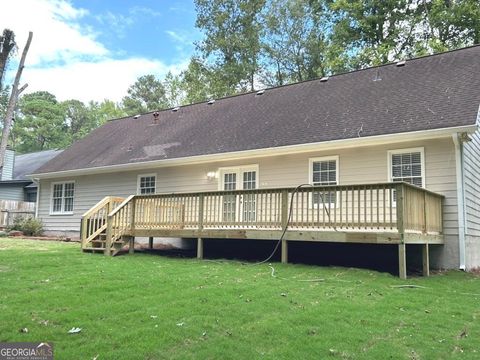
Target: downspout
x,y
37,181
459,162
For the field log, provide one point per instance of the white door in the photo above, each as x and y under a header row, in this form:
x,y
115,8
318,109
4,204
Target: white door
x,y
239,208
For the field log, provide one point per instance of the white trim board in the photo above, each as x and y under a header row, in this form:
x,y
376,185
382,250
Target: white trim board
x,y
146,175
421,150
51,212
238,170
256,153
324,158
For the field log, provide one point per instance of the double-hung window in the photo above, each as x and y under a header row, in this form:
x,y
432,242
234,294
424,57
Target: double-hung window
x,y
62,198
147,184
407,165
324,171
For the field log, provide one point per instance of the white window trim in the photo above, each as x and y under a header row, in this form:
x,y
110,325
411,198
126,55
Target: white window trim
x,y
54,213
421,150
324,158
139,176
238,170
310,175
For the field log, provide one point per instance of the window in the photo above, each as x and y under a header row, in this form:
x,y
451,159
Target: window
x,y
147,184
407,165
62,198
324,171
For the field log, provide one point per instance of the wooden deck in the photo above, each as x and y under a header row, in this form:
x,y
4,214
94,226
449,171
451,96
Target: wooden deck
x,y
386,213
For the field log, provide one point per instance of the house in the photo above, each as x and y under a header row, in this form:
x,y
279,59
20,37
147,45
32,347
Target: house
x,y
392,152
14,184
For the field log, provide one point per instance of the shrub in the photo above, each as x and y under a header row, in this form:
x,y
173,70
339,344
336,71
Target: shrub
x,y
28,225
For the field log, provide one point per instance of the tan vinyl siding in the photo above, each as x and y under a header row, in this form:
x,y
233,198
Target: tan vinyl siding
x,y
356,165
471,153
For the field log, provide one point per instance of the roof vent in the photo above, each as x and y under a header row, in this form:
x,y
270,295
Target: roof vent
x,y
176,108
261,92
401,63
211,102
136,116
155,117
324,79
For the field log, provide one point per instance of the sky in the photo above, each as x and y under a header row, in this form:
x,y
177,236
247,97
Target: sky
x,y
95,49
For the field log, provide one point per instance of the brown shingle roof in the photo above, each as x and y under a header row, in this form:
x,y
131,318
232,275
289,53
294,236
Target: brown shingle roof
x,y
431,92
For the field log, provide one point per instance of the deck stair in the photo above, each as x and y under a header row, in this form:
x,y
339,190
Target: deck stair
x,y
98,224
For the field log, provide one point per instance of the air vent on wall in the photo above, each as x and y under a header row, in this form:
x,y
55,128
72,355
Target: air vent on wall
x,y
136,116
176,108
401,63
260,92
324,79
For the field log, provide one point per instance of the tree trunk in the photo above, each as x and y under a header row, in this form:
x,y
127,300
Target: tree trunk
x,y
7,41
7,122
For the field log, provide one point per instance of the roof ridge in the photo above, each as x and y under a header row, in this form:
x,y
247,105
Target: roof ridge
x,y
318,78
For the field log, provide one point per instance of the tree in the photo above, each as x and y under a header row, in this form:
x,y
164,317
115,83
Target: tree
x,y
232,38
448,24
373,32
195,82
40,124
146,94
7,45
106,110
173,89
78,119
12,102
294,42
4,92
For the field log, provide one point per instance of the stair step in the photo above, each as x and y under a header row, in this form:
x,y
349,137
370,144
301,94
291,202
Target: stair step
x,y
104,241
93,249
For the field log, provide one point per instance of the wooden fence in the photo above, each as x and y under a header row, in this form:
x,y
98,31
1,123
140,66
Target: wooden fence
x,y
11,209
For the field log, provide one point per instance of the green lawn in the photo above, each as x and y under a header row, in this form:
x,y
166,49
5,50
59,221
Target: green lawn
x,y
152,307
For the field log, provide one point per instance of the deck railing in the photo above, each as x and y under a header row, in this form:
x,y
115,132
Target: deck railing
x,y
370,207
385,207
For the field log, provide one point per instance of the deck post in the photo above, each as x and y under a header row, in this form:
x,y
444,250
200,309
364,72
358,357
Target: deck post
x,y
284,218
83,230
284,251
200,248
133,204
425,218
131,245
201,198
402,261
108,240
150,242
402,258
426,260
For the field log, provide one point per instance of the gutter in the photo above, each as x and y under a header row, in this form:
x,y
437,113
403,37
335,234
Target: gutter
x,y
256,153
37,201
461,210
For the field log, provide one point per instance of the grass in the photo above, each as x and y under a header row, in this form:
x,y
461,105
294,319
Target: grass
x,y
152,307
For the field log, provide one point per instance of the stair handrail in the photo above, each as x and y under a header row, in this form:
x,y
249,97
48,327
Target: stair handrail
x,y
88,230
114,224
123,204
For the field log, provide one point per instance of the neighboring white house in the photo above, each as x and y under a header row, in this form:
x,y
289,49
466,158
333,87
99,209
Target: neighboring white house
x,y
414,121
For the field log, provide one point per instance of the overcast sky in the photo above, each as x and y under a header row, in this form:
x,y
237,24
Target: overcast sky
x,y
93,50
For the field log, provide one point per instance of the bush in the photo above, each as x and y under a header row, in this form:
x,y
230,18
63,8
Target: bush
x,y
28,225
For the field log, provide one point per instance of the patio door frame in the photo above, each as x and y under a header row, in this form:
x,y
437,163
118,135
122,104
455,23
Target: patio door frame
x,y
239,185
